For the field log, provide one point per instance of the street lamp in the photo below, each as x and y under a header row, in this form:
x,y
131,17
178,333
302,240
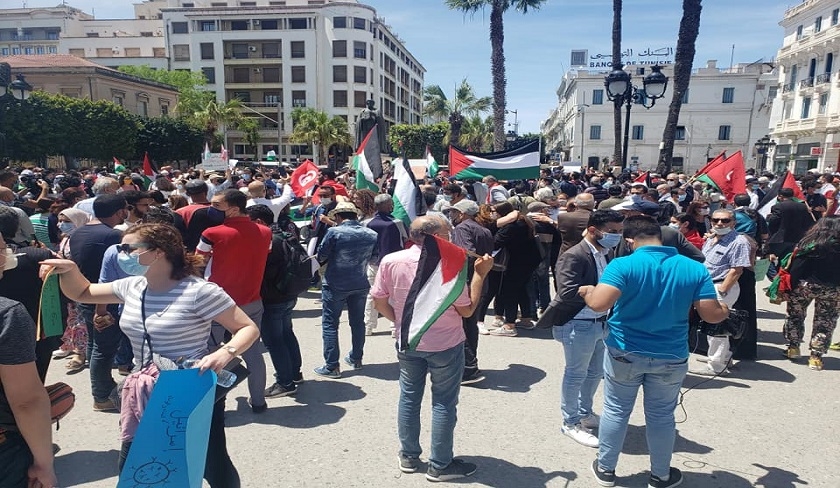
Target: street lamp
x,y
762,146
18,89
515,120
621,90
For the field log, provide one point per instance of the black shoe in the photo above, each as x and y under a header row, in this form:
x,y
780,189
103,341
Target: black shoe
x,y
298,378
409,464
278,390
473,377
352,362
675,478
605,478
456,469
259,408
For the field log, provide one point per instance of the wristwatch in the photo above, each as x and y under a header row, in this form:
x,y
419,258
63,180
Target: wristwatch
x,y
230,349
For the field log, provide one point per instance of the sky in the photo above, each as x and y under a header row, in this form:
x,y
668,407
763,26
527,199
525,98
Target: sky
x,y
452,46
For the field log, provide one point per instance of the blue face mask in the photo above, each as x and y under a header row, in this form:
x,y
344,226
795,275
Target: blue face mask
x,y
66,227
130,263
682,197
215,215
609,240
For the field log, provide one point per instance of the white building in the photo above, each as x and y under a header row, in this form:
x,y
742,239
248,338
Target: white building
x,y
724,110
806,116
67,30
275,56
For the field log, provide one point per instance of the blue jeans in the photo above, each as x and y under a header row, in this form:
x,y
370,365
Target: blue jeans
x,y
333,302
660,380
583,348
446,369
102,347
280,340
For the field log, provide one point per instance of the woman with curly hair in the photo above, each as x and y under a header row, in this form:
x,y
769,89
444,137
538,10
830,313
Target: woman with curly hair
x,y
814,276
169,308
363,199
687,226
699,211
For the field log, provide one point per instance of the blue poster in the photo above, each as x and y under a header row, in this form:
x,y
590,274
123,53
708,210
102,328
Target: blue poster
x,y
170,447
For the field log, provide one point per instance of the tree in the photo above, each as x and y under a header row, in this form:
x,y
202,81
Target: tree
x,y
412,140
683,62
214,115
168,139
192,97
497,56
477,134
616,63
465,103
316,127
251,131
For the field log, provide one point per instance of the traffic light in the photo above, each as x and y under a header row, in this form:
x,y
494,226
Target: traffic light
x,y
5,74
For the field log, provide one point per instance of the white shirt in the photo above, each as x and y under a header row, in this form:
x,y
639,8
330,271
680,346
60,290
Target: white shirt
x,y
600,264
275,204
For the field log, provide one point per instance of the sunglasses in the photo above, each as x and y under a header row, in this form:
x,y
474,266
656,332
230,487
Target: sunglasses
x,y
128,248
721,221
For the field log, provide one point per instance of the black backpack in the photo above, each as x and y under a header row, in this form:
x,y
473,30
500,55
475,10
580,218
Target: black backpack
x,y
297,275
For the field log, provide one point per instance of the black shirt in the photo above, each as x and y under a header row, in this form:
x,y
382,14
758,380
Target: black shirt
x,y
22,283
17,346
87,247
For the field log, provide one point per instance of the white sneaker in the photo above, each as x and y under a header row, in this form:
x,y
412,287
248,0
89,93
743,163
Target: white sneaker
x,y
482,329
591,421
497,322
580,435
61,354
368,331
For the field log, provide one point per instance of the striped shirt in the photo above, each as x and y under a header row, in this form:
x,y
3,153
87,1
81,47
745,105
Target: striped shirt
x,y
178,320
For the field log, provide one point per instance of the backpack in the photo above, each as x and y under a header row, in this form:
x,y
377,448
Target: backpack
x,y
745,223
297,275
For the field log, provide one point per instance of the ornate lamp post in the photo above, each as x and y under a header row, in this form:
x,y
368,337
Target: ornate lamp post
x,y
762,147
17,90
621,91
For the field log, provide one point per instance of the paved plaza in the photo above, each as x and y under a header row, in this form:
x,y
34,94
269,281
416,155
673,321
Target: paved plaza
x,y
768,424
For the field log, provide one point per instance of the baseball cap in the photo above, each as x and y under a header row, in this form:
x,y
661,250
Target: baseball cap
x,y
195,187
533,206
469,207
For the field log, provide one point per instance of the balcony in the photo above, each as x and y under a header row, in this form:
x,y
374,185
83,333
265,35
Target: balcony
x,y
824,78
806,83
801,127
788,87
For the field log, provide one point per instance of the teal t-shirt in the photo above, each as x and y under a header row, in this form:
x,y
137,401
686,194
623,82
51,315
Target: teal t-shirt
x,y
658,287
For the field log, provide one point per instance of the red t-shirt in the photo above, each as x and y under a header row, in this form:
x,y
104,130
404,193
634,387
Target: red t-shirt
x,y
238,250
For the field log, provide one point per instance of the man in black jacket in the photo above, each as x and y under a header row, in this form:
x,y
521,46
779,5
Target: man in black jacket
x,y
579,328
788,221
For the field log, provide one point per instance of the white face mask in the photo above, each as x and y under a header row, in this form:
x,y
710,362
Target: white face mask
x,y
704,211
674,226
722,231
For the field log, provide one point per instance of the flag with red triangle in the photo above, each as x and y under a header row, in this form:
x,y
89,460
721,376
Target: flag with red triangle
x,y
643,179
728,176
118,166
784,181
149,174
711,164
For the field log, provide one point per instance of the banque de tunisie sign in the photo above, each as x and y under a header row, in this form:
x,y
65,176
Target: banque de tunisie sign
x,y
648,56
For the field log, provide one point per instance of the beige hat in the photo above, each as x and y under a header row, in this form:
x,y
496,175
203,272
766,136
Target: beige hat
x,y
343,207
468,207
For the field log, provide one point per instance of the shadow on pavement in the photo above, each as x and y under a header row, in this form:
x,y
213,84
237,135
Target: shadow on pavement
x,y
758,371
635,444
381,371
534,333
285,414
715,479
307,313
770,315
80,467
696,382
778,478
517,378
498,472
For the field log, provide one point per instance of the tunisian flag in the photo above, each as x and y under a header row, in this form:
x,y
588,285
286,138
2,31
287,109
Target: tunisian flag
x,y
729,176
304,177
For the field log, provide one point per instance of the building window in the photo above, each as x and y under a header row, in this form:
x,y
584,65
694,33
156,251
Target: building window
x,y
298,49
339,74
15,50
339,98
772,92
164,110
724,132
208,25
728,95
52,36
806,107
54,50
638,132
679,134
298,98
181,52
159,52
360,74
271,50
5,52
594,132
268,24
799,33
143,107
359,99
359,23
271,75
180,27
298,23
298,74
597,97
206,50
818,24
188,5
339,22
118,100
359,50
241,75
823,104
835,16
339,49
209,75
41,50
238,25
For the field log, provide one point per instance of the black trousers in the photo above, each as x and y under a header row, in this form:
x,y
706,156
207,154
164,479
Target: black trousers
x,y
219,470
15,460
471,344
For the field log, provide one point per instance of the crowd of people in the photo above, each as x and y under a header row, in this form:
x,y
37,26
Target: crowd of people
x,y
156,265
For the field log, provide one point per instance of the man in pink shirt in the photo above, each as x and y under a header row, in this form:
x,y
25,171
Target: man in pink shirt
x,y
439,353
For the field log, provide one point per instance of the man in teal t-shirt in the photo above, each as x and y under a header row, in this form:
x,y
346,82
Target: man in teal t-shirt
x,y
651,292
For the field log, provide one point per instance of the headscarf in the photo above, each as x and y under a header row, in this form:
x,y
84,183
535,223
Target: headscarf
x,y
78,217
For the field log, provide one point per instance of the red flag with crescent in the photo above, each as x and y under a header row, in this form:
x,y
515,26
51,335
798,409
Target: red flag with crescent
x,y
304,177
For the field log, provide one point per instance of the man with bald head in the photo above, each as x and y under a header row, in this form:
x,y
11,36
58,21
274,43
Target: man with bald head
x,y
439,353
257,191
572,224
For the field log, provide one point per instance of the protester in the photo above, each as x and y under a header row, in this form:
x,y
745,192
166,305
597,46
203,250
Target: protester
x,y
788,222
572,224
688,228
391,237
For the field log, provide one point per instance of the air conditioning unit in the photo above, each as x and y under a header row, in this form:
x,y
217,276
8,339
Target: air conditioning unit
x,y
256,22
253,49
115,50
257,70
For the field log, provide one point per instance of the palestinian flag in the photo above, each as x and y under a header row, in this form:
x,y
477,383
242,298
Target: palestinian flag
x,y
118,166
368,161
643,179
516,164
431,165
784,181
711,164
728,176
408,199
149,174
440,280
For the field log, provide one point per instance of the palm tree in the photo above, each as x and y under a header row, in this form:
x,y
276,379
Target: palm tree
x,y
683,61
616,61
477,134
316,127
465,103
214,115
497,56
